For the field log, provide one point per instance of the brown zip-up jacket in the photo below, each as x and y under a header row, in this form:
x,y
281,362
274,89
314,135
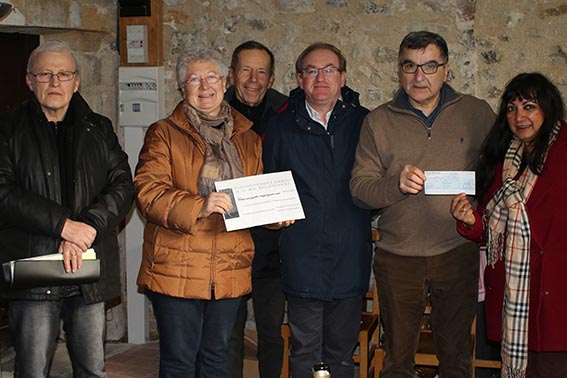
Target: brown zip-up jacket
x,y
184,256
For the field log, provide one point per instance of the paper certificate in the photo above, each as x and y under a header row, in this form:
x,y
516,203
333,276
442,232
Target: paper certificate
x,y
262,199
449,182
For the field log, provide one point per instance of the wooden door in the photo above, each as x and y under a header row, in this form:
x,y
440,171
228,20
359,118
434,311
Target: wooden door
x,y
13,64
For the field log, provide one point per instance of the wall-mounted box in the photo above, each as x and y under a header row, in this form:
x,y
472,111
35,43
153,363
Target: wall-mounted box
x,y
141,95
153,29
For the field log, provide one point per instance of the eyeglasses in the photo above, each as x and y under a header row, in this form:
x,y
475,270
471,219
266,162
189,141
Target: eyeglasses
x,y
46,77
195,81
428,68
312,72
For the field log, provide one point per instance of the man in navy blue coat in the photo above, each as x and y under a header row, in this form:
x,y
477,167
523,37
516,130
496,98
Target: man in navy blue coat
x,y
326,256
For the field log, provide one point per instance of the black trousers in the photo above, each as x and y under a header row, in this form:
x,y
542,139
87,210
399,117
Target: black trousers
x,y
323,331
269,303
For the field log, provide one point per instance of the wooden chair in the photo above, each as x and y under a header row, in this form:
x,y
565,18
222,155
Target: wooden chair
x,y
286,335
481,363
367,339
369,335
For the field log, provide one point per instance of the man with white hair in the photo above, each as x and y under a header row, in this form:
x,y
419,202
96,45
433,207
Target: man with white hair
x,y
65,185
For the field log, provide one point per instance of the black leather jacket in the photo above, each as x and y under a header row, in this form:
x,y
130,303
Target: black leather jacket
x,y
31,211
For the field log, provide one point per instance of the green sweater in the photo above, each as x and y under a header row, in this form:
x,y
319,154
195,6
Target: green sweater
x,y
393,136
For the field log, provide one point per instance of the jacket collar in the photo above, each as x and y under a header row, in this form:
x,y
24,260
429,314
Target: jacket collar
x,y
349,96
400,98
350,99
273,99
78,106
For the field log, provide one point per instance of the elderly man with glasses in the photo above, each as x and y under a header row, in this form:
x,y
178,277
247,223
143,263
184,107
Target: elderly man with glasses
x,y
65,185
427,126
326,256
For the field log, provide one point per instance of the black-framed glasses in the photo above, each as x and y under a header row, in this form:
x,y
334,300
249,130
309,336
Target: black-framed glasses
x,y
46,77
313,71
195,81
428,68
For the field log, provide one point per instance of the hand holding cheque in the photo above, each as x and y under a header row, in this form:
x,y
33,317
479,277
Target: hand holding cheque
x,y
459,183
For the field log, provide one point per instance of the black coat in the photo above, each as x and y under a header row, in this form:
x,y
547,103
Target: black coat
x,y
273,101
31,212
266,256
327,254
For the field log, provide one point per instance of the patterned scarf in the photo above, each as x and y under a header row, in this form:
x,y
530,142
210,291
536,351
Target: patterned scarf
x,y
222,161
506,218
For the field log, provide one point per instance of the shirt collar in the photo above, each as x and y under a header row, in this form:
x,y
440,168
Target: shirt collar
x,y
314,114
431,117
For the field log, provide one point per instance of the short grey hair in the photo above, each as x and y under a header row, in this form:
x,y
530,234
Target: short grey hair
x,y
53,46
197,54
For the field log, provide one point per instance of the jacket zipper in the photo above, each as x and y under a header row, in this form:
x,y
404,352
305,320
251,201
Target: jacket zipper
x,y
154,243
213,259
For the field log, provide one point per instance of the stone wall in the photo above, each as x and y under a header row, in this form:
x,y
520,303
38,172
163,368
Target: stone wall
x,y
89,26
489,41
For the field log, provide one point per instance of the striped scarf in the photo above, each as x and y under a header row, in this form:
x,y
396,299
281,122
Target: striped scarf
x,y
508,238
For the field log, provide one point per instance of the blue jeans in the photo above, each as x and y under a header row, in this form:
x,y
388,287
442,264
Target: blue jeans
x,y
193,335
34,326
323,331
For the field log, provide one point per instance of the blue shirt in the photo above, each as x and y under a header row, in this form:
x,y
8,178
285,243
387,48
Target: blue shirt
x,y
430,118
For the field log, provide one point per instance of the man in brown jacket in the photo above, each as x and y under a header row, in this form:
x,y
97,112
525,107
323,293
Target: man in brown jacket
x,y
427,126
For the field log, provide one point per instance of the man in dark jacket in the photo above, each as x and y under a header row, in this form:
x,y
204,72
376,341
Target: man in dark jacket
x,y
326,256
251,78
65,185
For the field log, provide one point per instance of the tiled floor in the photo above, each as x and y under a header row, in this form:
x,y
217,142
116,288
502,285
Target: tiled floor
x,y
142,361
122,361
138,361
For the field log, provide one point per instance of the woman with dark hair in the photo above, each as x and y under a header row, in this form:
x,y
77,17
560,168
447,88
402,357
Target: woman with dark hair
x,y
521,222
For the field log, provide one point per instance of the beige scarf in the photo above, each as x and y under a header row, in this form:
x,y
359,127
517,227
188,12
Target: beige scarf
x,y
222,161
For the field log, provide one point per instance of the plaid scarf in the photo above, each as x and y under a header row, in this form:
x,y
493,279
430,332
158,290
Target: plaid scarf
x,y
222,161
506,218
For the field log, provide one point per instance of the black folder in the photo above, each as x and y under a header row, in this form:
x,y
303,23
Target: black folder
x,y
23,274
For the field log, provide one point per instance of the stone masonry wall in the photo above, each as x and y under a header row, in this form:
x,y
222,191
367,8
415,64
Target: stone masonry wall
x,y
89,27
489,41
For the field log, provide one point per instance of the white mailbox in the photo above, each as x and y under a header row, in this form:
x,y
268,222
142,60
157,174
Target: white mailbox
x,y
141,95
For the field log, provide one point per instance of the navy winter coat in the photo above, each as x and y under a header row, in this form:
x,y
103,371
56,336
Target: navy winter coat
x,y
326,255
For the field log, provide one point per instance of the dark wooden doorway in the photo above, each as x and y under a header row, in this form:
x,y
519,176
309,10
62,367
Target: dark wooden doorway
x,y
13,91
17,48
